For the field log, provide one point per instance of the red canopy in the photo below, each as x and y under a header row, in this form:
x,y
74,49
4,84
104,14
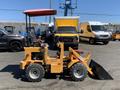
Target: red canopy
x,y
40,12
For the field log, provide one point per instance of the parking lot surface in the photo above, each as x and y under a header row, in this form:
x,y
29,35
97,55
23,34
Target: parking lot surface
x,y
106,55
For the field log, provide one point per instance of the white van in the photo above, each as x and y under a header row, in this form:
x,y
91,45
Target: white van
x,y
94,32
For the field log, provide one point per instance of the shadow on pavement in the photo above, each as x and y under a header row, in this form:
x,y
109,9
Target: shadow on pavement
x,y
86,42
3,50
99,73
15,71
7,50
20,74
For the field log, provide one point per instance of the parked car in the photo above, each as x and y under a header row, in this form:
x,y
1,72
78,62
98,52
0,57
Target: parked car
x,y
11,41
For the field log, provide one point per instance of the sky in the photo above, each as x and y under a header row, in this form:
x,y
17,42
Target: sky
x,y
106,10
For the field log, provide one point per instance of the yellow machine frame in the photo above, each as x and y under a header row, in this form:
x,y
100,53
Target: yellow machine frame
x,y
57,62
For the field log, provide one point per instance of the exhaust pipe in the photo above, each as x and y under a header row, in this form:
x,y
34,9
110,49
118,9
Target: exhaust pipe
x,y
99,72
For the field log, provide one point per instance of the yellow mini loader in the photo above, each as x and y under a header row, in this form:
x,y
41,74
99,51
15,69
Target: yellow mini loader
x,y
37,62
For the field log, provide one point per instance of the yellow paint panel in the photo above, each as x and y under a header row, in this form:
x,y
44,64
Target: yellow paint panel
x,y
86,33
67,22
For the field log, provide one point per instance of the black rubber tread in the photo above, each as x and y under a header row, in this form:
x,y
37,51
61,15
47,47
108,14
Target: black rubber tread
x,y
114,39
93,42
77,46
78,66
105,42
41,71
18,44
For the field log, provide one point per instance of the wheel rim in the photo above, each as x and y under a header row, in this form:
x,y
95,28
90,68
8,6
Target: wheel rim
x,y
34,73
79,73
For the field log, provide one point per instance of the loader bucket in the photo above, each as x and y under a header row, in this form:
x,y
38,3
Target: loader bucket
x,y
99,72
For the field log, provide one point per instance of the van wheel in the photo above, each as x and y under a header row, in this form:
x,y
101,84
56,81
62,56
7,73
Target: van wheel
x,y
78,72
105,42
92,41
35,72
114,39
15,46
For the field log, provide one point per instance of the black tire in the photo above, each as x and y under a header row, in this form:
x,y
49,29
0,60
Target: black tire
x,y
76,46
15,46
114,39
80,40
91,41
54,45
105,42
35,72
78,72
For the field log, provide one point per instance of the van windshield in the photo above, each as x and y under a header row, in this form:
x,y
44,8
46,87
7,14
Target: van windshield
x,y
66,29
98,28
